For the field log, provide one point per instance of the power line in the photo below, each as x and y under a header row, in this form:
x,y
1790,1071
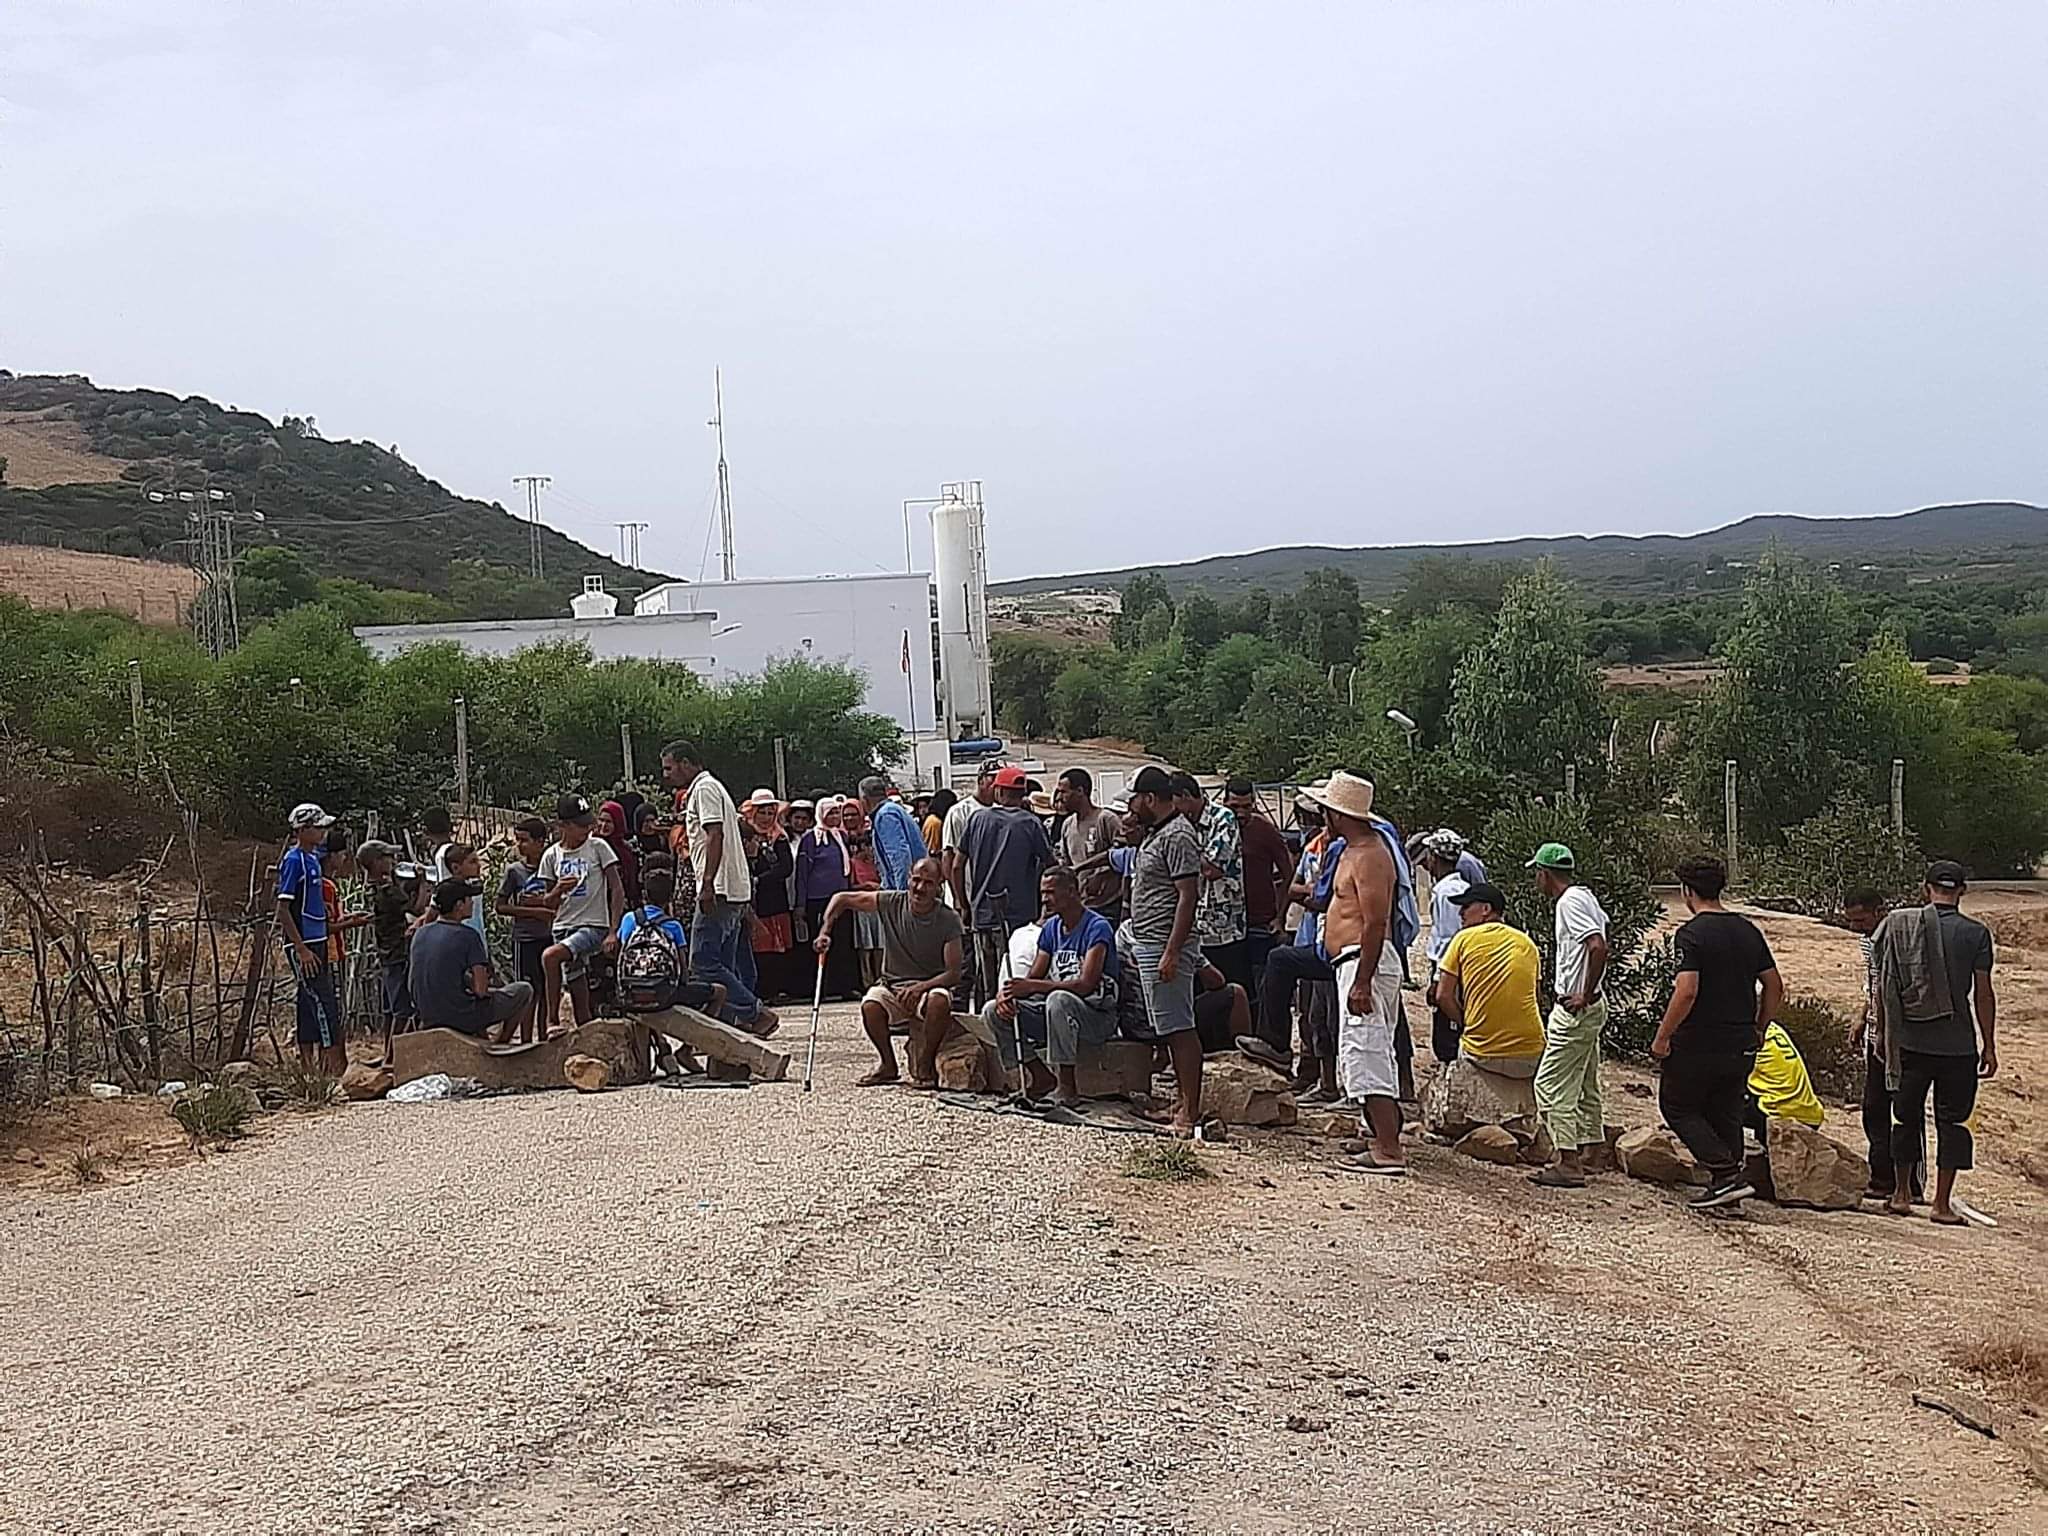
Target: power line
x,y
537,567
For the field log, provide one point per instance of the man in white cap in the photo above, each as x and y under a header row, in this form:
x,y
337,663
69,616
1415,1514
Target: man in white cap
x,y
302,919
1357,931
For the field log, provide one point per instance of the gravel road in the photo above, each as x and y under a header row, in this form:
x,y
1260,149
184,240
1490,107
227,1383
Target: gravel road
x,y
650,1311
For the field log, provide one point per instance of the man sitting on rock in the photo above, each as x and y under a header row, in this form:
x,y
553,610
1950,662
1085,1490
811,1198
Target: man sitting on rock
x,y
1066,1000
1486,989
450,972
921,964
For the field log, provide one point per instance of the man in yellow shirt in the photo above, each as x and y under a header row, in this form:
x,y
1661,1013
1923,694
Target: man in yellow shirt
x,y
1486,985
1778,1085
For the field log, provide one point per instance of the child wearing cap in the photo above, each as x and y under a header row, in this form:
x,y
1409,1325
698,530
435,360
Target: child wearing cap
x,y
302,921
588,896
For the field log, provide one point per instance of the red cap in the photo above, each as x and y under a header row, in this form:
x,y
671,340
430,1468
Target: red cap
x,y
1011,777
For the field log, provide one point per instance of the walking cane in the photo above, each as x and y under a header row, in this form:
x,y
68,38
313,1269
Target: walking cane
x,y
1002,901
817,1002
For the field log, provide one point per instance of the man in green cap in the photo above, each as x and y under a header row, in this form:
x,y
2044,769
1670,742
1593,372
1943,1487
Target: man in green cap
x,y
1568,1077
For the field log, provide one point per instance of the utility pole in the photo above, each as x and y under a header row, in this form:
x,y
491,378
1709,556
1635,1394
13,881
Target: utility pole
x,y
1728,808
717,423
629,544
462,754
1898,797
135,715
535,484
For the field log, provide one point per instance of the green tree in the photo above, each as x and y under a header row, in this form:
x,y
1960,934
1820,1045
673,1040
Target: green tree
x,y
273,579
1142,594
2017,706
1411,667
1022,669
1199,621
1525,697
1322,619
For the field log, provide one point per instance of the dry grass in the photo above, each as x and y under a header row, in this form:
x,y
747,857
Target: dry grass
x,y
1165,1162
2009,1358
308,1087
88,1164
151,590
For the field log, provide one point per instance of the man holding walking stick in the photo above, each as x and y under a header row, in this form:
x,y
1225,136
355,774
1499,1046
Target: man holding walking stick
x,y
921,964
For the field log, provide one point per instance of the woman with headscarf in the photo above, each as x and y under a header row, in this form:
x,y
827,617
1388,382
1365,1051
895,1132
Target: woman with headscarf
x,y
771,862
824,868
867,876
648,837
934,827
616,831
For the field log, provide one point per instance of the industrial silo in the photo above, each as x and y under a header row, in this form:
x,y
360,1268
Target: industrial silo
x,y
960,567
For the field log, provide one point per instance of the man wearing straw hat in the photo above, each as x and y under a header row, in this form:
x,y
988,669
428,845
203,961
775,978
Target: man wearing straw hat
x,y
1357,932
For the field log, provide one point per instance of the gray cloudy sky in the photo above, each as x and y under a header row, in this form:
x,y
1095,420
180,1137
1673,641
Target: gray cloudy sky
x,y
1172,278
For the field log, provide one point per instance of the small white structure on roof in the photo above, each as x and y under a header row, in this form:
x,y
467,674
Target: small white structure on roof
x,y
729,629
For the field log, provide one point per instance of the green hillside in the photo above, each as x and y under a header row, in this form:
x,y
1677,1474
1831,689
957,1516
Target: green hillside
x,y
1992,539
352,509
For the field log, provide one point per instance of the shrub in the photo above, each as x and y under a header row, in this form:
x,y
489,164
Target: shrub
x,y
1941,666
1164,1162
1821,1031
1845,845
213,1114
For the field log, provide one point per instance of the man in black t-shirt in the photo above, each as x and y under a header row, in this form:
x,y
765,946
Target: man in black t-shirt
x,y
1727,990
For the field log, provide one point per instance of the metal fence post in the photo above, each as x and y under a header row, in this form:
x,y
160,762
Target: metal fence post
x,y
135,715
1728,804
781,770
1899,797
1571,781
626,751
462,754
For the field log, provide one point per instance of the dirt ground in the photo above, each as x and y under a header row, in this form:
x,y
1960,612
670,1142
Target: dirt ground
x,y
154,591
47,447
652,1311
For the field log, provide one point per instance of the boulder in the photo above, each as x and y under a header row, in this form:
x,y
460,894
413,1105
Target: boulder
x,y
1809,1167
727,1071
721,1042
238,1072
1239,1091
1601,1159
1656,1154
1464,1095
367,1080
586,1074
966,1063
1115,1070
1536,1146
1490,1144
621,1044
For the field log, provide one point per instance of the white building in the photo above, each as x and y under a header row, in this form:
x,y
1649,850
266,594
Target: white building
x,y
729,629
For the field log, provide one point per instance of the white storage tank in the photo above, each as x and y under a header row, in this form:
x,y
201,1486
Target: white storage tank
x,y
960,567
593,602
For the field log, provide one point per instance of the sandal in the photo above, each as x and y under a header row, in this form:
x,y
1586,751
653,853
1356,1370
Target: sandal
x,y
1553,1177
1366,1162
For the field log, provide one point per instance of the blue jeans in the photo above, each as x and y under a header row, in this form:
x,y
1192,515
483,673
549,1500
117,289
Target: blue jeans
x,y
318,1009
716,939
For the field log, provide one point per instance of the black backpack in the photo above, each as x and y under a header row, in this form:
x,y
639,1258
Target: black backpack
x,y
650,969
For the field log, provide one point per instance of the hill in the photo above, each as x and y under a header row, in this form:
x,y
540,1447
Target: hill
x,y
86,456
1995,538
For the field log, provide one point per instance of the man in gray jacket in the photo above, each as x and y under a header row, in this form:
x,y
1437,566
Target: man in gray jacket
x,y
1940,1019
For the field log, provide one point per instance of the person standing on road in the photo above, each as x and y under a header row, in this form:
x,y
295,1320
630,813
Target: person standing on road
x,y
1940,1032
724,884
1301,972
1005,851
1358,931
1166,877
899,843
1438,852
1728,990
1086,832
1219,920
1568,1079
302,919
1863,910
1267,864
953,840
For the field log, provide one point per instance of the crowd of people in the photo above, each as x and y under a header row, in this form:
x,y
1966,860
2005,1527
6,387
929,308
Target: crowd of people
x,y
1051,925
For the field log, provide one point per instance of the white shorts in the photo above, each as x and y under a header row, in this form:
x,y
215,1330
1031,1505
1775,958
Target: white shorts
x,y
1365,1042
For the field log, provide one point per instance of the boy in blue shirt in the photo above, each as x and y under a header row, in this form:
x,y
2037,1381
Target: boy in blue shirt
x,y
658,890
302,921
1070,997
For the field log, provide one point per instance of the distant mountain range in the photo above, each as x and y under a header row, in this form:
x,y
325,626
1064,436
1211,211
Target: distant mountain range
x,y
81,460
1998,535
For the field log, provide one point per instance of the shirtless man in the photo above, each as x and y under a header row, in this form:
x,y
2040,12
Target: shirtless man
x,y
1355,933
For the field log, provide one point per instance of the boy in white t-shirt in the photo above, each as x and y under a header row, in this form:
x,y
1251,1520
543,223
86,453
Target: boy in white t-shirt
x,y
588,895
1568,1078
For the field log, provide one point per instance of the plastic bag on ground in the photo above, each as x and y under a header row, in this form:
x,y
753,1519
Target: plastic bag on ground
x,y
435,1085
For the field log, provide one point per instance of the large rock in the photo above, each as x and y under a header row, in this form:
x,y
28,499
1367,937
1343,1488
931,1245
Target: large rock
x,y
366,1080
1464,1095
586,1074
1656,1154
1115,1070
621,1044
1238,1091
967,1063
721,1042
1490,1144
1809,1167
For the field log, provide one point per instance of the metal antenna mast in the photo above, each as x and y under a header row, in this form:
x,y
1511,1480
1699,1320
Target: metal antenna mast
x,y
536,566
629,543
724,475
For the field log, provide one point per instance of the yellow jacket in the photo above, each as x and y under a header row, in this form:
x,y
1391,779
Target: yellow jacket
x,y
1780,1083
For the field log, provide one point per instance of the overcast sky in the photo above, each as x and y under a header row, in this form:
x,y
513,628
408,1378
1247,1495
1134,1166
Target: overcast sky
x,y
1171,278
